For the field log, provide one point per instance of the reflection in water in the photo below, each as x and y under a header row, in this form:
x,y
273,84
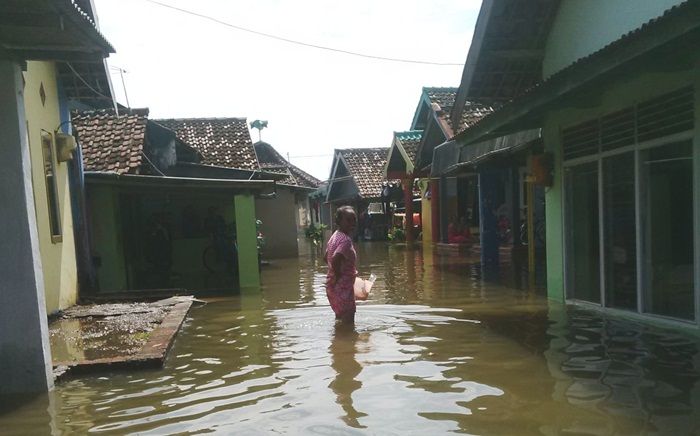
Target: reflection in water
x,y
436,350
343,349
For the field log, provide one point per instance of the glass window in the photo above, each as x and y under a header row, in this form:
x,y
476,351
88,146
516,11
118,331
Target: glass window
x,y
47,149
667,202
584,241
620,236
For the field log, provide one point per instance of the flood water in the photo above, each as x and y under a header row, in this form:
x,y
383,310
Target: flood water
x,y
435,350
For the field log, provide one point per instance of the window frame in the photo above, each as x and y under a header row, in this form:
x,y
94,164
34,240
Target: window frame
x,y
49,163
642,299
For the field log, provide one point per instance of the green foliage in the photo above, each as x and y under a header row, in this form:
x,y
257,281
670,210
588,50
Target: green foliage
x,y
397,234
315,233
260,238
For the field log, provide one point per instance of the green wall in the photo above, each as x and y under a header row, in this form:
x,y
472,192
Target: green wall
x,y
554,212
278,224
585,26
246,232
106,238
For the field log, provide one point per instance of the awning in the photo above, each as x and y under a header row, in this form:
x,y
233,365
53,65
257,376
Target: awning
x,y
455,157
445,156
50,30
481,152
181,183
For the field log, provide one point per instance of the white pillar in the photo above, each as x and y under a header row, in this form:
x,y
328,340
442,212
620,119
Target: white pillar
x,y
25,358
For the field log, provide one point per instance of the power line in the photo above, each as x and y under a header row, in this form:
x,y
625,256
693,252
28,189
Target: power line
x,y
312,155
305,44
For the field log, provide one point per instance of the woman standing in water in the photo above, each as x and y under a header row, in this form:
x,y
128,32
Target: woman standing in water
x,y
341,259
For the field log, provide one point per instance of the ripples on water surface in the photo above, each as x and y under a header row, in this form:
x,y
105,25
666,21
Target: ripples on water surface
x,y
435,351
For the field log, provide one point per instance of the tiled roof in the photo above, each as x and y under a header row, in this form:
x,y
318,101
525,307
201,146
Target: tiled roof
x,y
471,114
366,165
410,141
272,161
110,143
442,96
287,180
222,142
303,178
443,99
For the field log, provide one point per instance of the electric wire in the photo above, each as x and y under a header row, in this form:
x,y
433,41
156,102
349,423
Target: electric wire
x,y
152,164
85,82
304,44
311,155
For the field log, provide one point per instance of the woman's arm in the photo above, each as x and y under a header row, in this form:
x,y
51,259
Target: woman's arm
x,y
336,264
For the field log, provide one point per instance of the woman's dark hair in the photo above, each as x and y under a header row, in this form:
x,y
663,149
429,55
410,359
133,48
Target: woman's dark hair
x,y
342,210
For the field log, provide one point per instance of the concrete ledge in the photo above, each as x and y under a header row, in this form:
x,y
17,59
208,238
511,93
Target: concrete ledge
x,y
151,355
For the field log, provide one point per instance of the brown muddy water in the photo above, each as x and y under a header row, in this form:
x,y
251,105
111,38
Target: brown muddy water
x,y
436,350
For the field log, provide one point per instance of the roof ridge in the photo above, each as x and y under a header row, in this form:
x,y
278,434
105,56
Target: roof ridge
x,y
401,132
144,111
441,88
202,119
362,148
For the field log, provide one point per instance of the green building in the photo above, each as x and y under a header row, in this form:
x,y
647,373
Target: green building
x,y
612,84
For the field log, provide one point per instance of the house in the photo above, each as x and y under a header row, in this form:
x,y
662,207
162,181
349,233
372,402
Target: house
x,y
320,210
501,64
357,179
400,165
160,218
616,104
455,196
281,235
46,65
228,152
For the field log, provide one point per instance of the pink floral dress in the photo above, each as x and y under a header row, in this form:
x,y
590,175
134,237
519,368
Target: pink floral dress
x,y
340,292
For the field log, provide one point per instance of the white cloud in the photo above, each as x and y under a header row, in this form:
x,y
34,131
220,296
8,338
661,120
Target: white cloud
x,y
183,66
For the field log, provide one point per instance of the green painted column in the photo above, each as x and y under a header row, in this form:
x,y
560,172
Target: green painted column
x,y
554,212
246,233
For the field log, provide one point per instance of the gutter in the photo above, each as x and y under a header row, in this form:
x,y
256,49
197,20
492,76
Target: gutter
x,y
135,180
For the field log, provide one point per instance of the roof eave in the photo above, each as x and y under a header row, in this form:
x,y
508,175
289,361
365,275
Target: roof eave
x,y
526,111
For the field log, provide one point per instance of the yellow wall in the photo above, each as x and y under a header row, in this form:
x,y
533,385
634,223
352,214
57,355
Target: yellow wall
x,y
426,212
58,259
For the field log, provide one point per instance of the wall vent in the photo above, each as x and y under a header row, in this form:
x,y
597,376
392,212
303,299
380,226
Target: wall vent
x,y
662,116
666,115
617,129
581,140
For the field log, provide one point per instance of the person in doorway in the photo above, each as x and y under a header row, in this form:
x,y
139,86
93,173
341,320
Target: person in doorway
x,y
459,233
341,259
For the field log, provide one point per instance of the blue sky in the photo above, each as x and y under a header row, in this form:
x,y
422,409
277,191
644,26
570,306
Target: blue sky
x,y
183,66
